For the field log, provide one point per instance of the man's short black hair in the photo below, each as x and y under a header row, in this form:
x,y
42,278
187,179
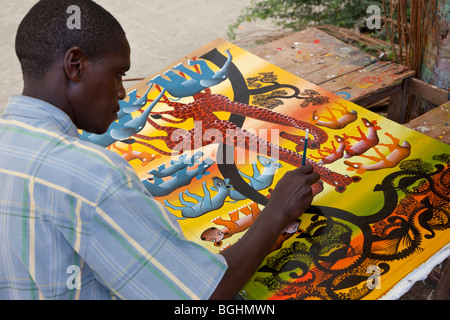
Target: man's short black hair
x,y
43,35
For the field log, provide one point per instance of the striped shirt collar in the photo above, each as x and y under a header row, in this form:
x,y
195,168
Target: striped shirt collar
x,y
24,106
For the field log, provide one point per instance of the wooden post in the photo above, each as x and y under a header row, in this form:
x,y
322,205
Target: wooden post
x,y
398,104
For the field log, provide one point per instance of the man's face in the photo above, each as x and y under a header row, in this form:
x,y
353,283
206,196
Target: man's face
x,y
101,89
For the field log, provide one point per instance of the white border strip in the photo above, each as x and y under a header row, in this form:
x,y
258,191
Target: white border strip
x,y
421,273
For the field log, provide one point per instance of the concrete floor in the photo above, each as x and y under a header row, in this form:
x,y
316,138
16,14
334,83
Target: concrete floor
x,y
159,31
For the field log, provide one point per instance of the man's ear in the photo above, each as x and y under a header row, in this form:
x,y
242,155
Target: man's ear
x,y
74,63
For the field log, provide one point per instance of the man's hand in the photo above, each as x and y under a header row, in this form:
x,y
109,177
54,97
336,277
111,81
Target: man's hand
x,y
289,200
293,194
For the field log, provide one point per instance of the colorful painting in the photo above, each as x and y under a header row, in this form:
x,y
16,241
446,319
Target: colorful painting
x,y
212,134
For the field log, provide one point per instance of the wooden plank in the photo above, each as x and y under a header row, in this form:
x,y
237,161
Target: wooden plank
x,y
314,55
369,84
427,92
337,67
435,123
378,96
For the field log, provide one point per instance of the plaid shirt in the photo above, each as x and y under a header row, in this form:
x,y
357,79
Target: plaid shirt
x,y
77,223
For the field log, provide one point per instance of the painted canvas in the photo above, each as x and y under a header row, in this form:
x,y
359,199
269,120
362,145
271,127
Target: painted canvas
x,y
212,134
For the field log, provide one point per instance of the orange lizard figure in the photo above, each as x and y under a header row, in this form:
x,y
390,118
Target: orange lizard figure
x,y
398,152
365,142
143,156
333,122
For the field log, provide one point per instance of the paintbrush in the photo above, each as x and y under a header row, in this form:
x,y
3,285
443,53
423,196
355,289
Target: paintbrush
x,y
305,147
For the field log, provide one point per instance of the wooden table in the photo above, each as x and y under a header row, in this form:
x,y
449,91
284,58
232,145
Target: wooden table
x,y
340,68
435,123
357,76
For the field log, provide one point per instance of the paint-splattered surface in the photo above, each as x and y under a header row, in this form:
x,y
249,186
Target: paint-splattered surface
x,y
333,65
435,123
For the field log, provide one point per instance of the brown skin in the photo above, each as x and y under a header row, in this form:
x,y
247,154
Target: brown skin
x,y
89,92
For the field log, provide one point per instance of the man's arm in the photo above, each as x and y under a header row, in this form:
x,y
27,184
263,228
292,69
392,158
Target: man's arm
x,y
290,198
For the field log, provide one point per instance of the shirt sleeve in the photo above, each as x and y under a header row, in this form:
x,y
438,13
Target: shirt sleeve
x,y
138,251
